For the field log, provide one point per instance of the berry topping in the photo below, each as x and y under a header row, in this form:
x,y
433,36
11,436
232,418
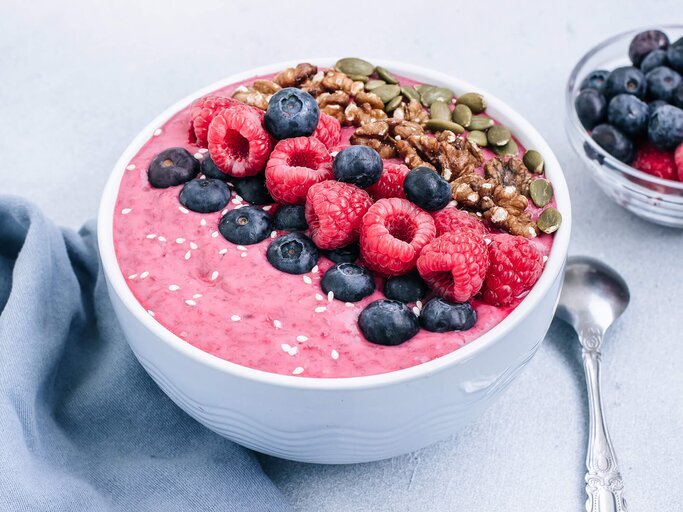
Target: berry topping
x,y
661,83
238,143
678,159
348,282
625,80
205,195
393,232
294,166
591,107
328,131
172,167
293,253
453,219
291,113
628,114
246,226
291,217
253,189
454,264
390,183
203,112
654,60
440,315
388,322
614,142
646,42
406,288
514,267
656,162
210,170
347,254
665,128
358,165
424,187
334,211
595,80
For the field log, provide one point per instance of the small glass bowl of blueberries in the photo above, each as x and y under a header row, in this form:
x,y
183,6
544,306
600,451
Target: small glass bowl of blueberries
x,y
624,101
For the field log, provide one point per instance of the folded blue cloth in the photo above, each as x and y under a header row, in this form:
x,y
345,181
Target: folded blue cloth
x,y
82,426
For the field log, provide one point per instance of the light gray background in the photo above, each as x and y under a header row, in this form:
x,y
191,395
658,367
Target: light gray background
x,y
79,79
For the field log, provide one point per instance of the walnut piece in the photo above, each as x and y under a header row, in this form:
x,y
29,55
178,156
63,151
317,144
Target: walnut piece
x,y
411,111
370,98
333,104
249,95
377,136
362,115
294,77
509,172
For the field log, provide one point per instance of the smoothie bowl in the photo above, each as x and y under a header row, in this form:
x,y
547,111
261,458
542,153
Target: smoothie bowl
x,y
335,263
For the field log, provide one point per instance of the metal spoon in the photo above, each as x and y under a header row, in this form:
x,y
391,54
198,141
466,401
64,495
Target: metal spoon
x,y
593,297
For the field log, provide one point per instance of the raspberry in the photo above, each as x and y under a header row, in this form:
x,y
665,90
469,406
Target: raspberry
x,y
390,183
294,166
454,264
656,162
678,158
238,143
392,234
203,112
452,219
328,131
514,267
334,211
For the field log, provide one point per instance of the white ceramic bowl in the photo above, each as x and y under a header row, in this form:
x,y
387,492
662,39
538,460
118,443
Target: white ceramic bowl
x,y
342,420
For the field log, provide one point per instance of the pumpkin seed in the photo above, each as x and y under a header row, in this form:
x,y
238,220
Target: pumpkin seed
x,y
393,104
358,78
385,75
479,122
432,94
371,85
474,100
549,220
387,92
498,135
478,137
438,125
533,161
440,110
410,93
510,148
462,115
541,192
423,87
354,66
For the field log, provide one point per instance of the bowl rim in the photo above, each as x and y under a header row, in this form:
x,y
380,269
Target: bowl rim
x,y
552,270
574,122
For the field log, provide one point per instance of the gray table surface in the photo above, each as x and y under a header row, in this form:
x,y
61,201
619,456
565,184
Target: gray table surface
x,y
78,79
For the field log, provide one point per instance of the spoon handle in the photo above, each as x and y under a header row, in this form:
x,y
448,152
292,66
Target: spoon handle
x,y
603,480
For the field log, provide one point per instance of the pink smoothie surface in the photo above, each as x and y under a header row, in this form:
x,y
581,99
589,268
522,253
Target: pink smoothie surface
x,y
227,300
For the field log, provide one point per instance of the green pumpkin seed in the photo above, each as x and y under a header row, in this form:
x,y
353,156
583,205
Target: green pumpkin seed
x,y
354,66
371,85
480,123
541,192
432,94
533,161
474,100
393,104
510,149
549,220
423,87
462,115
438,125
410,93
440,110
387,92
358,78
385,75
478,137
498,135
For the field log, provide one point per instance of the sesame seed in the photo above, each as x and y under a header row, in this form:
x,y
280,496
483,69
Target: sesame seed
x,y
348,304
197,296
224,212
318,296
161,238
198,155
545,258
301,338
334,354
315,269
419,304
193,246
203,150
308,280
150,312
202,222
285,347
244,254
273,234
487,240
151,236
132,276
298,370
235,318
180,240
183,209
267,207
214,275
188,255
334,153
157,132
236,201
190,302
320,309
223,251
241,248
289,349
416,310
174,287
144,274
238,206
131,167
214,234
239,198
126,211
330,296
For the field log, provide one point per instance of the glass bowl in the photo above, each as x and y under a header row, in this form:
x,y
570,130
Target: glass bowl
x,y
655,199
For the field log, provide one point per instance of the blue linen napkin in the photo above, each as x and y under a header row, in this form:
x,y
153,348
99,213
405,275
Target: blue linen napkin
x,y
82,426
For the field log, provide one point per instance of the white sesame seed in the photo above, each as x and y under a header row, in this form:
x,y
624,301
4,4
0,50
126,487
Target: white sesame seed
x,y
334,354
193,246
174,287
198,155
330,296
315,269
151,236
267,207
239,198
183,209
214,234
188,255
126,211
197,296
180,240
238,206
235,318
132,276
190,302
273,234
301,338
241,248
131,167
320,309
416,310
202,222
348,304
203,150
157,132
277,324
244,254
487,240
308,280
223,251
236,201
214,275
161,238
144,274
150,312
224,212
318,296
545,258
285,347
334,153
419,304
289,349
298,370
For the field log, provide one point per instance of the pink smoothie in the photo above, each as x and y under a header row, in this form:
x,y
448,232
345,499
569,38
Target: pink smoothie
x,y
230,302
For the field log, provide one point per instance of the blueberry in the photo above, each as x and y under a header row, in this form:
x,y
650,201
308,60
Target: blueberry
x,y
211,170
654,105
677,98
675,55
388,322
427,189
595,80
629,114
661,83
591,107
291,217
253,189
440,315
291,113
293,253
358,165
204,195
172,167
406,288
348,282
614,142
654,60
347,254
665,128
246,226
626,80
646,42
